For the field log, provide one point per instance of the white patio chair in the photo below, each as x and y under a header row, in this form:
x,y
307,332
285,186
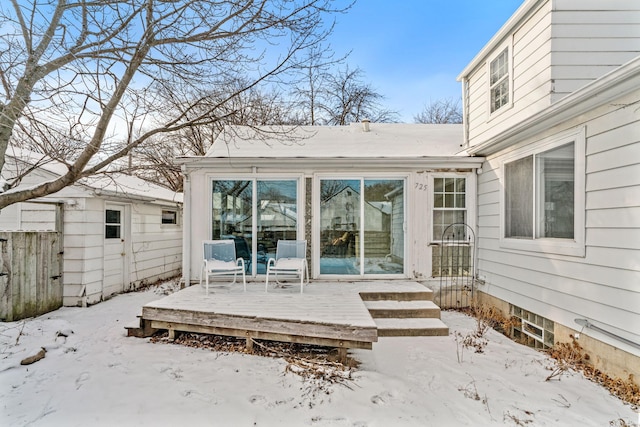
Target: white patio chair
x,y
291,259
219,258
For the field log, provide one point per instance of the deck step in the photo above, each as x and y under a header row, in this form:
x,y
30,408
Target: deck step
x,y
425,295
402,309
417,327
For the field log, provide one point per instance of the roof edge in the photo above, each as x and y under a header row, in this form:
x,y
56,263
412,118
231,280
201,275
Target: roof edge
x,y
616,83
497,38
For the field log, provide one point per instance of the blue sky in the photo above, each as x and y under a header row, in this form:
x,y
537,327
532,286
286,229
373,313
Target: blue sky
x,y
412,50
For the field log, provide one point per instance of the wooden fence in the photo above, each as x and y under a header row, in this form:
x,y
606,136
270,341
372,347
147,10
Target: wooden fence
x,y
30,274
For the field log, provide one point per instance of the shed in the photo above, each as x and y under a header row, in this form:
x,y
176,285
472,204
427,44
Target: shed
x,y
120,232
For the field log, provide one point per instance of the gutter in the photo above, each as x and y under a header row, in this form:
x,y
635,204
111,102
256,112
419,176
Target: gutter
x,y
331,163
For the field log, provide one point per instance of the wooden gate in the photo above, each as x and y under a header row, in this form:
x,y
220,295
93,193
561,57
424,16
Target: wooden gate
x,y
31,273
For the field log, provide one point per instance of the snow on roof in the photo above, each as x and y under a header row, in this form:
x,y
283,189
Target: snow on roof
x,y
113,184
383,140
124,185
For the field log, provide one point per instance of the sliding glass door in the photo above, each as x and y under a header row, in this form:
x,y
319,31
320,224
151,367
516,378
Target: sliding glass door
x,y
255,214
362,226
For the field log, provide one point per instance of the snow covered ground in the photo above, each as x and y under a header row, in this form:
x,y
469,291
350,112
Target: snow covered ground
x,y
97,376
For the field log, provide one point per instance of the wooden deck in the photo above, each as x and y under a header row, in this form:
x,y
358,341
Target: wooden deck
x,y
331,314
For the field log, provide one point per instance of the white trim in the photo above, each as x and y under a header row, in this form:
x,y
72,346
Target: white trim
x,y
571,247
470,199
471,208
126,237
186,230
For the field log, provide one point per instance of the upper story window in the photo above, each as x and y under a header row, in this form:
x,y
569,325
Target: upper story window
x,y
543,197
499,78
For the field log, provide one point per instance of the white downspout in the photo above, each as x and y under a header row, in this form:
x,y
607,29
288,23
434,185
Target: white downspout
x,y
186,231
465,112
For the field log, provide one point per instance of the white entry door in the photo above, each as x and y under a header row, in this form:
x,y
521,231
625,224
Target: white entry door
x,y
115,250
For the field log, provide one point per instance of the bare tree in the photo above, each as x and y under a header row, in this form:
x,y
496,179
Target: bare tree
x,y
346,98
441,111
101,72
231,104
308,89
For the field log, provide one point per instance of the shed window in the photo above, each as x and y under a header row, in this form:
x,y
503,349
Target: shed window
x,y
499,80
169,217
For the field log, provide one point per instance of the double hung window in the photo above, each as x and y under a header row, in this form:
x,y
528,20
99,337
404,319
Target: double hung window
x,y
499,81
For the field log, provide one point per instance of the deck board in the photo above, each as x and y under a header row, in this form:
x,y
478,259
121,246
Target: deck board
x,y
327,313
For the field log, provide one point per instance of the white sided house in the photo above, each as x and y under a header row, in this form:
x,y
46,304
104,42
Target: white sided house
x,y
119,232
370,199
553,104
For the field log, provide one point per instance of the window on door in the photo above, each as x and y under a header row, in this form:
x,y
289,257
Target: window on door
x,y
113,224
255,214
449,207
362,226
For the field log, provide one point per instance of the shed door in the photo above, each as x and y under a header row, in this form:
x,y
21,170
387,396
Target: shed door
x,y
115,254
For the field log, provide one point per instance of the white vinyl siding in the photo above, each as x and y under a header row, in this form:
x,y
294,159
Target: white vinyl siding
x,y
530,79
84,225
28,217
156,249
590,39
602,285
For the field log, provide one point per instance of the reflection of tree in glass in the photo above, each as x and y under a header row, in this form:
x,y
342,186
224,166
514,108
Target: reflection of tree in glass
x,y
377,191
330,188
232,188
274,193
